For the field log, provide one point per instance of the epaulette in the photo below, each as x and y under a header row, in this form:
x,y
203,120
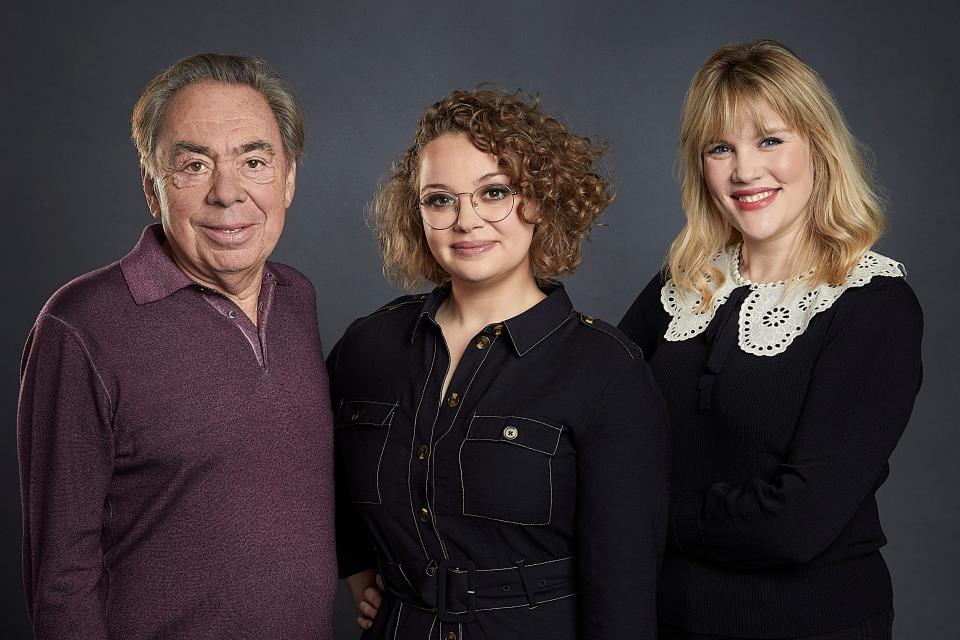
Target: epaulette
x,y
403,300
607,328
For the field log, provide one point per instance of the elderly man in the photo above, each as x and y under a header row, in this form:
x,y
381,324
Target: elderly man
x,y
173,426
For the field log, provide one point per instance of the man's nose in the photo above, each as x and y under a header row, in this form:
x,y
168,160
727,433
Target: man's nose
x,y
225,187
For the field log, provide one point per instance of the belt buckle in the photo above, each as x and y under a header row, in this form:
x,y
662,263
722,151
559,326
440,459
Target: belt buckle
x,y
443,567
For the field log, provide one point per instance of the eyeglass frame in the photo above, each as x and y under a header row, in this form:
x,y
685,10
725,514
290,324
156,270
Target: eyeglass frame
x,y
513,203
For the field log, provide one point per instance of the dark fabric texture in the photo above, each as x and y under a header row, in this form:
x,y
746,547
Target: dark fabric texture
x,y
176,481
878,627
550,443
774,525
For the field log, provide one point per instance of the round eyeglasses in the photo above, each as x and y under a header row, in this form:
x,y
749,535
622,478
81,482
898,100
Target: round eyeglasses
x,y
492,202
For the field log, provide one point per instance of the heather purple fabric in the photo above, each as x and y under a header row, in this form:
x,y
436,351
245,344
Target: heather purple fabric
x,y
176,459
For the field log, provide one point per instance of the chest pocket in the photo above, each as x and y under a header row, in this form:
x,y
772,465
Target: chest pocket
x,y
506,469
361,431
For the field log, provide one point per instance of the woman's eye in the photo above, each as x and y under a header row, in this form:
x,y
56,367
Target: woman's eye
x,y
718,149
770,142
495,193
439,200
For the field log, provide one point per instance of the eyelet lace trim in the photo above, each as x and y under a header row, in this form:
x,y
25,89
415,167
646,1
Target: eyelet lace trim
x,y
774,313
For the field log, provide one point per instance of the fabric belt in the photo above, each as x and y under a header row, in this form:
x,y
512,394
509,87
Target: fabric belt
x,y
457,590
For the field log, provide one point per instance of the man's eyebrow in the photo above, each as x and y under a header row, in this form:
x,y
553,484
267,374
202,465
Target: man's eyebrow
x,y
257,145
181,146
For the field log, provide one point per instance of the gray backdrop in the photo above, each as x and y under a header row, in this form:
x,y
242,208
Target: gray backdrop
x,y
366,70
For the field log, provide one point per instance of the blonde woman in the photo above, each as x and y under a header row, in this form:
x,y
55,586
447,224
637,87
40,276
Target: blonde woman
x,y
501,458
789,355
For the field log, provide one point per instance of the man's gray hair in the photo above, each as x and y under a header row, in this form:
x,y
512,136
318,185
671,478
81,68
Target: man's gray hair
x,y
150,109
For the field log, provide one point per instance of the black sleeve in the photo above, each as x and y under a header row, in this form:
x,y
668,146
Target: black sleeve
x,y
622,500
355,548
646,321
858,403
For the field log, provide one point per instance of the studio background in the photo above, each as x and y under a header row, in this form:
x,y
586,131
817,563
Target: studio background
x,y
365,71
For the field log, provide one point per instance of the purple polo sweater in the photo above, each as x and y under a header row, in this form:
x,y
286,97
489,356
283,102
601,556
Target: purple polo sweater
x,y
176,459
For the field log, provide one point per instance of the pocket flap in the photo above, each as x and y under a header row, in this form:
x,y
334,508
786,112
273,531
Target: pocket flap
x,y
522,432
366,412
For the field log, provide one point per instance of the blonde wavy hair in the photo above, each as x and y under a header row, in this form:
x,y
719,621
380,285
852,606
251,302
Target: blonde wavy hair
x,y
844,213
546,163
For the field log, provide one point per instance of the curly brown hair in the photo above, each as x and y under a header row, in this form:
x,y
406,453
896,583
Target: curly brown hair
x,y
546,163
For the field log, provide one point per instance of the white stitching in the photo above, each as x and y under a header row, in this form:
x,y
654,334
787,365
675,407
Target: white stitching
x,y
532,564
612,335
397,306
512,444
388,421
556,445
512,606
544,337
389,404
432,469
463,488
404,574
477,415
413,439
396,627
430,466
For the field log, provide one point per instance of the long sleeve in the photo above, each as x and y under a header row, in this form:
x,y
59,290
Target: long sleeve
x,y
355,548
65,447
622,497
645,321
858,403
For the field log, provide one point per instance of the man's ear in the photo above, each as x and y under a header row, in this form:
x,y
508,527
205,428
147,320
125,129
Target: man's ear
x,y
150,192
291,183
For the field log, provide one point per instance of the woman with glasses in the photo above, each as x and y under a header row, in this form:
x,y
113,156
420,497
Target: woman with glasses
x,y
789,356
501,458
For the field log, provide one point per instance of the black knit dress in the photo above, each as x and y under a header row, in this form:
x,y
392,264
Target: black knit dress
x,y
780,444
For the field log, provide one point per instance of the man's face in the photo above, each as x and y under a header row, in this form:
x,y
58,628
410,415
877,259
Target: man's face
x,y
223,182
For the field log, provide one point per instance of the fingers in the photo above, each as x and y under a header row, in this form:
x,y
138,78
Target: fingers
x,y
364,623
372,596
367,610
368,607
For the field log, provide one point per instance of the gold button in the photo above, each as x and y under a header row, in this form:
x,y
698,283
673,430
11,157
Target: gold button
x,y
483,342
451,635
510,432
422,453
424,514
454,399
497,328
588,319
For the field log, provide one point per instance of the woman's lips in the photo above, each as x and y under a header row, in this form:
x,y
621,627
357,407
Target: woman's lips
x,y
469,248
227,234
754,199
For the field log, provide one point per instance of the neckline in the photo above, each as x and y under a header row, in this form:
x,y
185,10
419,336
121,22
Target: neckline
x,y
742,281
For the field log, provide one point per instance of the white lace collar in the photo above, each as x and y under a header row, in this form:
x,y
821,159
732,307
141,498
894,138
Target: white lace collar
x,y
773,314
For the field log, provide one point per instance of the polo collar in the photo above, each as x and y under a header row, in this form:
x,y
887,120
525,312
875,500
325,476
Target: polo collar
x,y
524,331
152,275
